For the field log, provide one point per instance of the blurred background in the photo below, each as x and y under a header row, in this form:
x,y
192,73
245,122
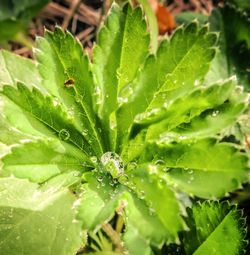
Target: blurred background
x,y
22,20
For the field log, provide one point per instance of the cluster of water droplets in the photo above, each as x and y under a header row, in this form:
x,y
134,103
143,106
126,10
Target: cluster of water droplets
x,y
113,164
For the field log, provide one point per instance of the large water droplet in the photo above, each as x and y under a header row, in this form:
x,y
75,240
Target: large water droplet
x,y
113,164
64,134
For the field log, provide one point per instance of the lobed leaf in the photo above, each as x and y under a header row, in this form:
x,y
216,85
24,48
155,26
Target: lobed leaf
x,y
40,160
100,198
41,114
159,197
215,228
53,230
67,77
234,42
198,167
170,75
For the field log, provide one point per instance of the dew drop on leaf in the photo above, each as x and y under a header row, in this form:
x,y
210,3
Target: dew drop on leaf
x,y
93,159
215,113
64,134
56,101
112,164
85,132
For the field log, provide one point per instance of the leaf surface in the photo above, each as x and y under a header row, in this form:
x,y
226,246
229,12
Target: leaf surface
x,y
67,77
100,198
53,229
40,160
121,50
198,167
215,229
42,114
170,75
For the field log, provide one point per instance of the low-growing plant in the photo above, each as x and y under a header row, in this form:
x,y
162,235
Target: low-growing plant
x,y
129,138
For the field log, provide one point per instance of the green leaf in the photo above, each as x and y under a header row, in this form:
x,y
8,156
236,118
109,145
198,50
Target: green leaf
x,y
67,77
234,44
18,69
135,243
159,197
198,167
188,16
36,222
189,106
170,75
209,124
121,50
152,23
215,228
45,115
40,160
101,197
193,107
149,229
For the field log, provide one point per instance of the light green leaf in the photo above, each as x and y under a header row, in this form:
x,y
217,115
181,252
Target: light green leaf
x,y
152,23
159,197
40,160
101,197
170,75
209,123
135,243
182,69
42,114
197,168
121,50
18,69
67,77
215,228
149,229
188,106
36,222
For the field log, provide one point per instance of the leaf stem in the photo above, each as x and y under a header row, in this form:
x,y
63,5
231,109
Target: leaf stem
x,y
114,237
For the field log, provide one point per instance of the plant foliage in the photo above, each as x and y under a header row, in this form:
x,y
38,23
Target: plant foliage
x,y
131,133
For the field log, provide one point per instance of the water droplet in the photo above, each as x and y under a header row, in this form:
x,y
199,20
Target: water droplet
x,y
123,179
152,169
182,137
131,166
85,132
113,164
196,83
78,98
122,100
56,101
215,113
159,162
100,178
64,134
93,159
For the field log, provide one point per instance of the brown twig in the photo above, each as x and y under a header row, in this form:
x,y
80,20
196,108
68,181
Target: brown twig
x,y
85,33
74,5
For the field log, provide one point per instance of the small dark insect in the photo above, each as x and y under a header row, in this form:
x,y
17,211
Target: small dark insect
x,y
69,83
